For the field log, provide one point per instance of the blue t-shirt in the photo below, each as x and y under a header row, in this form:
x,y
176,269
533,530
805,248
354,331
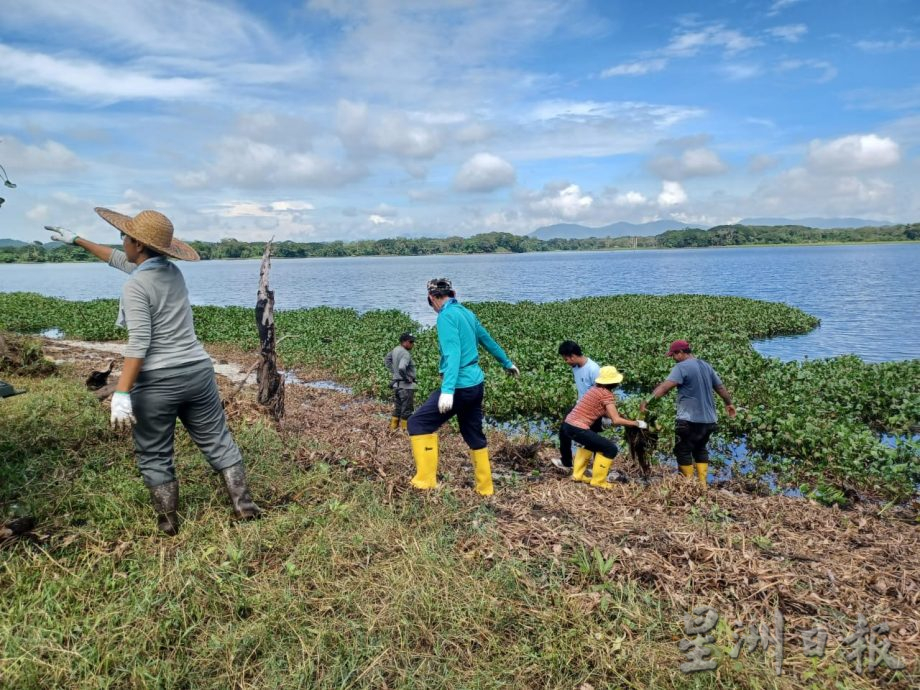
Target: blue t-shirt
x,y
695,381
585,376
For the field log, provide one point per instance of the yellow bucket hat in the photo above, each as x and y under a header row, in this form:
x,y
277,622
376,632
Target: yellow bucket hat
x,y
608,375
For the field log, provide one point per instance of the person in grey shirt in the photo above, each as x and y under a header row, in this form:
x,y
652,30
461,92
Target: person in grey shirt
x,y
402,381
695,381
166,374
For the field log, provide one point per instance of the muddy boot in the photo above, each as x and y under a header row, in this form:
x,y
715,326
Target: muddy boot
x,y
235,480
165,499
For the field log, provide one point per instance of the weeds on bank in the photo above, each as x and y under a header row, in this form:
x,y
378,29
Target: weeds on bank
x,y
338,586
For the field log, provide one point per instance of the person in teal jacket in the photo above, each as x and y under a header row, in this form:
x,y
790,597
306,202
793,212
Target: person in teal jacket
x,y
459,336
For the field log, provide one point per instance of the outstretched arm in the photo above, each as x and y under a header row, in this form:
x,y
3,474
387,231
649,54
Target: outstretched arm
x,y
100,251
660,391
614,414
493,348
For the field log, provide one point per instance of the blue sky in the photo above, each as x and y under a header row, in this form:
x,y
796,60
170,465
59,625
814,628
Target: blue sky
x,y
350,119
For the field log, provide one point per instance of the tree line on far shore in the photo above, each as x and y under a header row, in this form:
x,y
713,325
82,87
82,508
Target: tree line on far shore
x,y
500,242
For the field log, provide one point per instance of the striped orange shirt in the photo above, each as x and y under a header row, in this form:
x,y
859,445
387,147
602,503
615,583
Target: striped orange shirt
x,y
591,407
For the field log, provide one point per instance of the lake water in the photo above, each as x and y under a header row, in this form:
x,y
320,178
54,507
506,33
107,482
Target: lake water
x,y
867,296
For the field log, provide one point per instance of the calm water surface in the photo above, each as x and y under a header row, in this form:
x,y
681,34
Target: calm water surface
x,y
867,296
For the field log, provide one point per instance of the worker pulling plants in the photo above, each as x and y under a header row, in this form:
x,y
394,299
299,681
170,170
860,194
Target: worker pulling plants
x,y
695,381
166,373
461,391
597,403
585,371
402,381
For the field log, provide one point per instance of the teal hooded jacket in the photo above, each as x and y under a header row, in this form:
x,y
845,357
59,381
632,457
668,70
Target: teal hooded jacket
x,y
459,335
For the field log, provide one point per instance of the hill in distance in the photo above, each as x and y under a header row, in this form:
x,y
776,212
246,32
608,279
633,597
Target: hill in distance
x,y
571,231
12,243
819,223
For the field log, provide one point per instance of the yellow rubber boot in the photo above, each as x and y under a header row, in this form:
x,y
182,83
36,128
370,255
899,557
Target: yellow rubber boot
x,y
482,471
686,470
702,470
599,472
580,464
425,452
404,424
394,423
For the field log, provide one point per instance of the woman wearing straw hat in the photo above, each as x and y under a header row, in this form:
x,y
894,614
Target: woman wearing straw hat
x,y
597,403
166,374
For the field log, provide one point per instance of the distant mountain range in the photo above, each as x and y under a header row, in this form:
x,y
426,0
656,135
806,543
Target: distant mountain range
x,y
819,223
621,229
12,243
656,227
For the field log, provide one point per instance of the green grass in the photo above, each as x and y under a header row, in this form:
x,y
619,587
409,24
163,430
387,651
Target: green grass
x,y
341,585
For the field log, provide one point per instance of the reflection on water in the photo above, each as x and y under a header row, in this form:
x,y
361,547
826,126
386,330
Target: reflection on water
x,y
866,296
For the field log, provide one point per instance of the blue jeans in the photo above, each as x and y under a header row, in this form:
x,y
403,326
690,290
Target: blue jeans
x,y
427,419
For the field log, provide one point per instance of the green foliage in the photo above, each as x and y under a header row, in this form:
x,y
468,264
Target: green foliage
x,y
498,242
807,422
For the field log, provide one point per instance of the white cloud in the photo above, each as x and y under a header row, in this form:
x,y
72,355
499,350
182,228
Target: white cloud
x,y
630,198
559,201
292,206
484,172
889,46
672,194
739,71
182,27
826,70
48,157
242,162
379,220
853,153
473,133
90,79
632,69
762,161
688,43
800,191
791,33
388,131
693,160
779,5
38,213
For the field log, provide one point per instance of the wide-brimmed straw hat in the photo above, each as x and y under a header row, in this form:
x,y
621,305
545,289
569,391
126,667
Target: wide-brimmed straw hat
x,y
153,229
608,375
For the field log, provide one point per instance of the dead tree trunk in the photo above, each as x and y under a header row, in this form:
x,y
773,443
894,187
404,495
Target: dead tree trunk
x,y
271,383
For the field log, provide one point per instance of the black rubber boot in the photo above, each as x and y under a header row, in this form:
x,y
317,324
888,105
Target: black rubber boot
x,y
235,481
165,499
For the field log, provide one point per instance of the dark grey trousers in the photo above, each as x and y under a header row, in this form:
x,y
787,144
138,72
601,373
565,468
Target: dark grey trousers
x,y
403,402
188,393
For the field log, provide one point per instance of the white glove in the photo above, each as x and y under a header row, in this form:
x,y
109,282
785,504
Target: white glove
x,y
61,234
445,402
513,371
606,422
641,424
122,412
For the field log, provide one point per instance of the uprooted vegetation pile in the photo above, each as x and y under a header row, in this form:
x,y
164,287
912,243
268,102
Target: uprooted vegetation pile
x,y
23,356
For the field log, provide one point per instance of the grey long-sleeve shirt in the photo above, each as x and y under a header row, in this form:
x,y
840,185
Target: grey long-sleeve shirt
x,y
161,330
403,371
